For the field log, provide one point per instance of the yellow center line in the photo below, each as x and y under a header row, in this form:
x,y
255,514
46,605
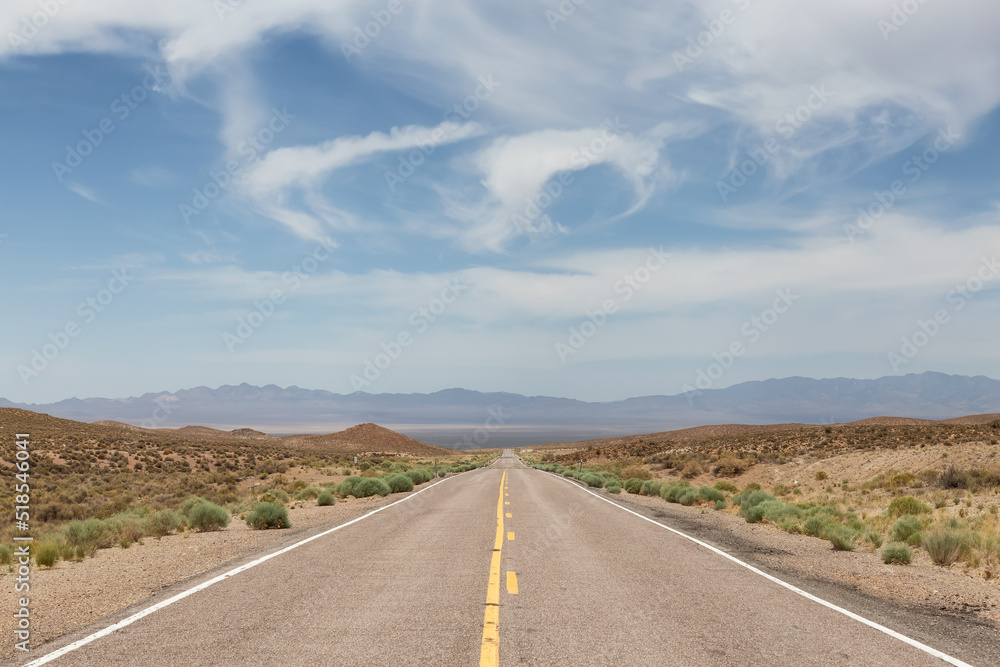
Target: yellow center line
x,y
489,655
512,583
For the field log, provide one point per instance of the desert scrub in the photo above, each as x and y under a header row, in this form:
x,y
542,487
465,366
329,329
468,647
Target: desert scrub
x,y
650,488
633,485
672,492
207,516
906,529
897,552
907,505
943,545
46,554
613,487
307,493
592,479
325,499
749,501
420,475
726,487
398,482
162,523
364,487
710,495
268,515
841,537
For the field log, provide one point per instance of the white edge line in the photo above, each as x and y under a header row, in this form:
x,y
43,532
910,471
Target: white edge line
x,y
861,619
58,653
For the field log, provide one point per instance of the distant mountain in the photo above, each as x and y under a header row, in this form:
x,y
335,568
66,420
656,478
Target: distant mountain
x,y
469,418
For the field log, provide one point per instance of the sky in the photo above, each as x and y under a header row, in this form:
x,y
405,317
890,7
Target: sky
x,y
578,199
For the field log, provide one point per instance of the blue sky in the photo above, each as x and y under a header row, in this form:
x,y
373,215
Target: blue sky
x,y
581,199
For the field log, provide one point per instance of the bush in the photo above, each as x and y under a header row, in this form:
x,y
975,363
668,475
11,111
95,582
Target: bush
x,y
906,529
162,523
672,492
591,479
637,472
185,507
268,515
943,545
730,466
420,475
206,516
307,493
325,499
633,485
46,554
371,486
842,537
752,486
820,476
815,526
727,487
710,495
613,487
691,470
907,505
650,488
720,504
952,478
398,482
897,552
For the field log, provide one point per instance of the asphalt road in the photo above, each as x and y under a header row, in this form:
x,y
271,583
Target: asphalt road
x,y
505,564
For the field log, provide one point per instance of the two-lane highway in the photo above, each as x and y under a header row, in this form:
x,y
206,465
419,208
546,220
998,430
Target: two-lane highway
x,y
506,565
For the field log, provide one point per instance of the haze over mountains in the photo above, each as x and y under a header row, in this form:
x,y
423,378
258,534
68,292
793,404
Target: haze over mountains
x,y
459,417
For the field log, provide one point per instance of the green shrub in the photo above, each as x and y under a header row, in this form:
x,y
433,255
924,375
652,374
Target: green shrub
x,y
162,523
897,552
873,537
7,554
325,499
185,507
206,516
688,497
820,476
752,486
720,504
268,515
420,475
841,537
398,482
46,554
307,493
943,545
371,486
672,492
650,488
633,485
613,487
906,529
591,479
710,494
727,487
907,505
815,526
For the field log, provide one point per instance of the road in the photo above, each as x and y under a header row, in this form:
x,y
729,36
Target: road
x,y
506,565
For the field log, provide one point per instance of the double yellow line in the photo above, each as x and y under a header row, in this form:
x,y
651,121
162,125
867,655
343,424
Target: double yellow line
x,y
490,652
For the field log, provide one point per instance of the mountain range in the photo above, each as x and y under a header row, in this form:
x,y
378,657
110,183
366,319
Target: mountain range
x,y
463,418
